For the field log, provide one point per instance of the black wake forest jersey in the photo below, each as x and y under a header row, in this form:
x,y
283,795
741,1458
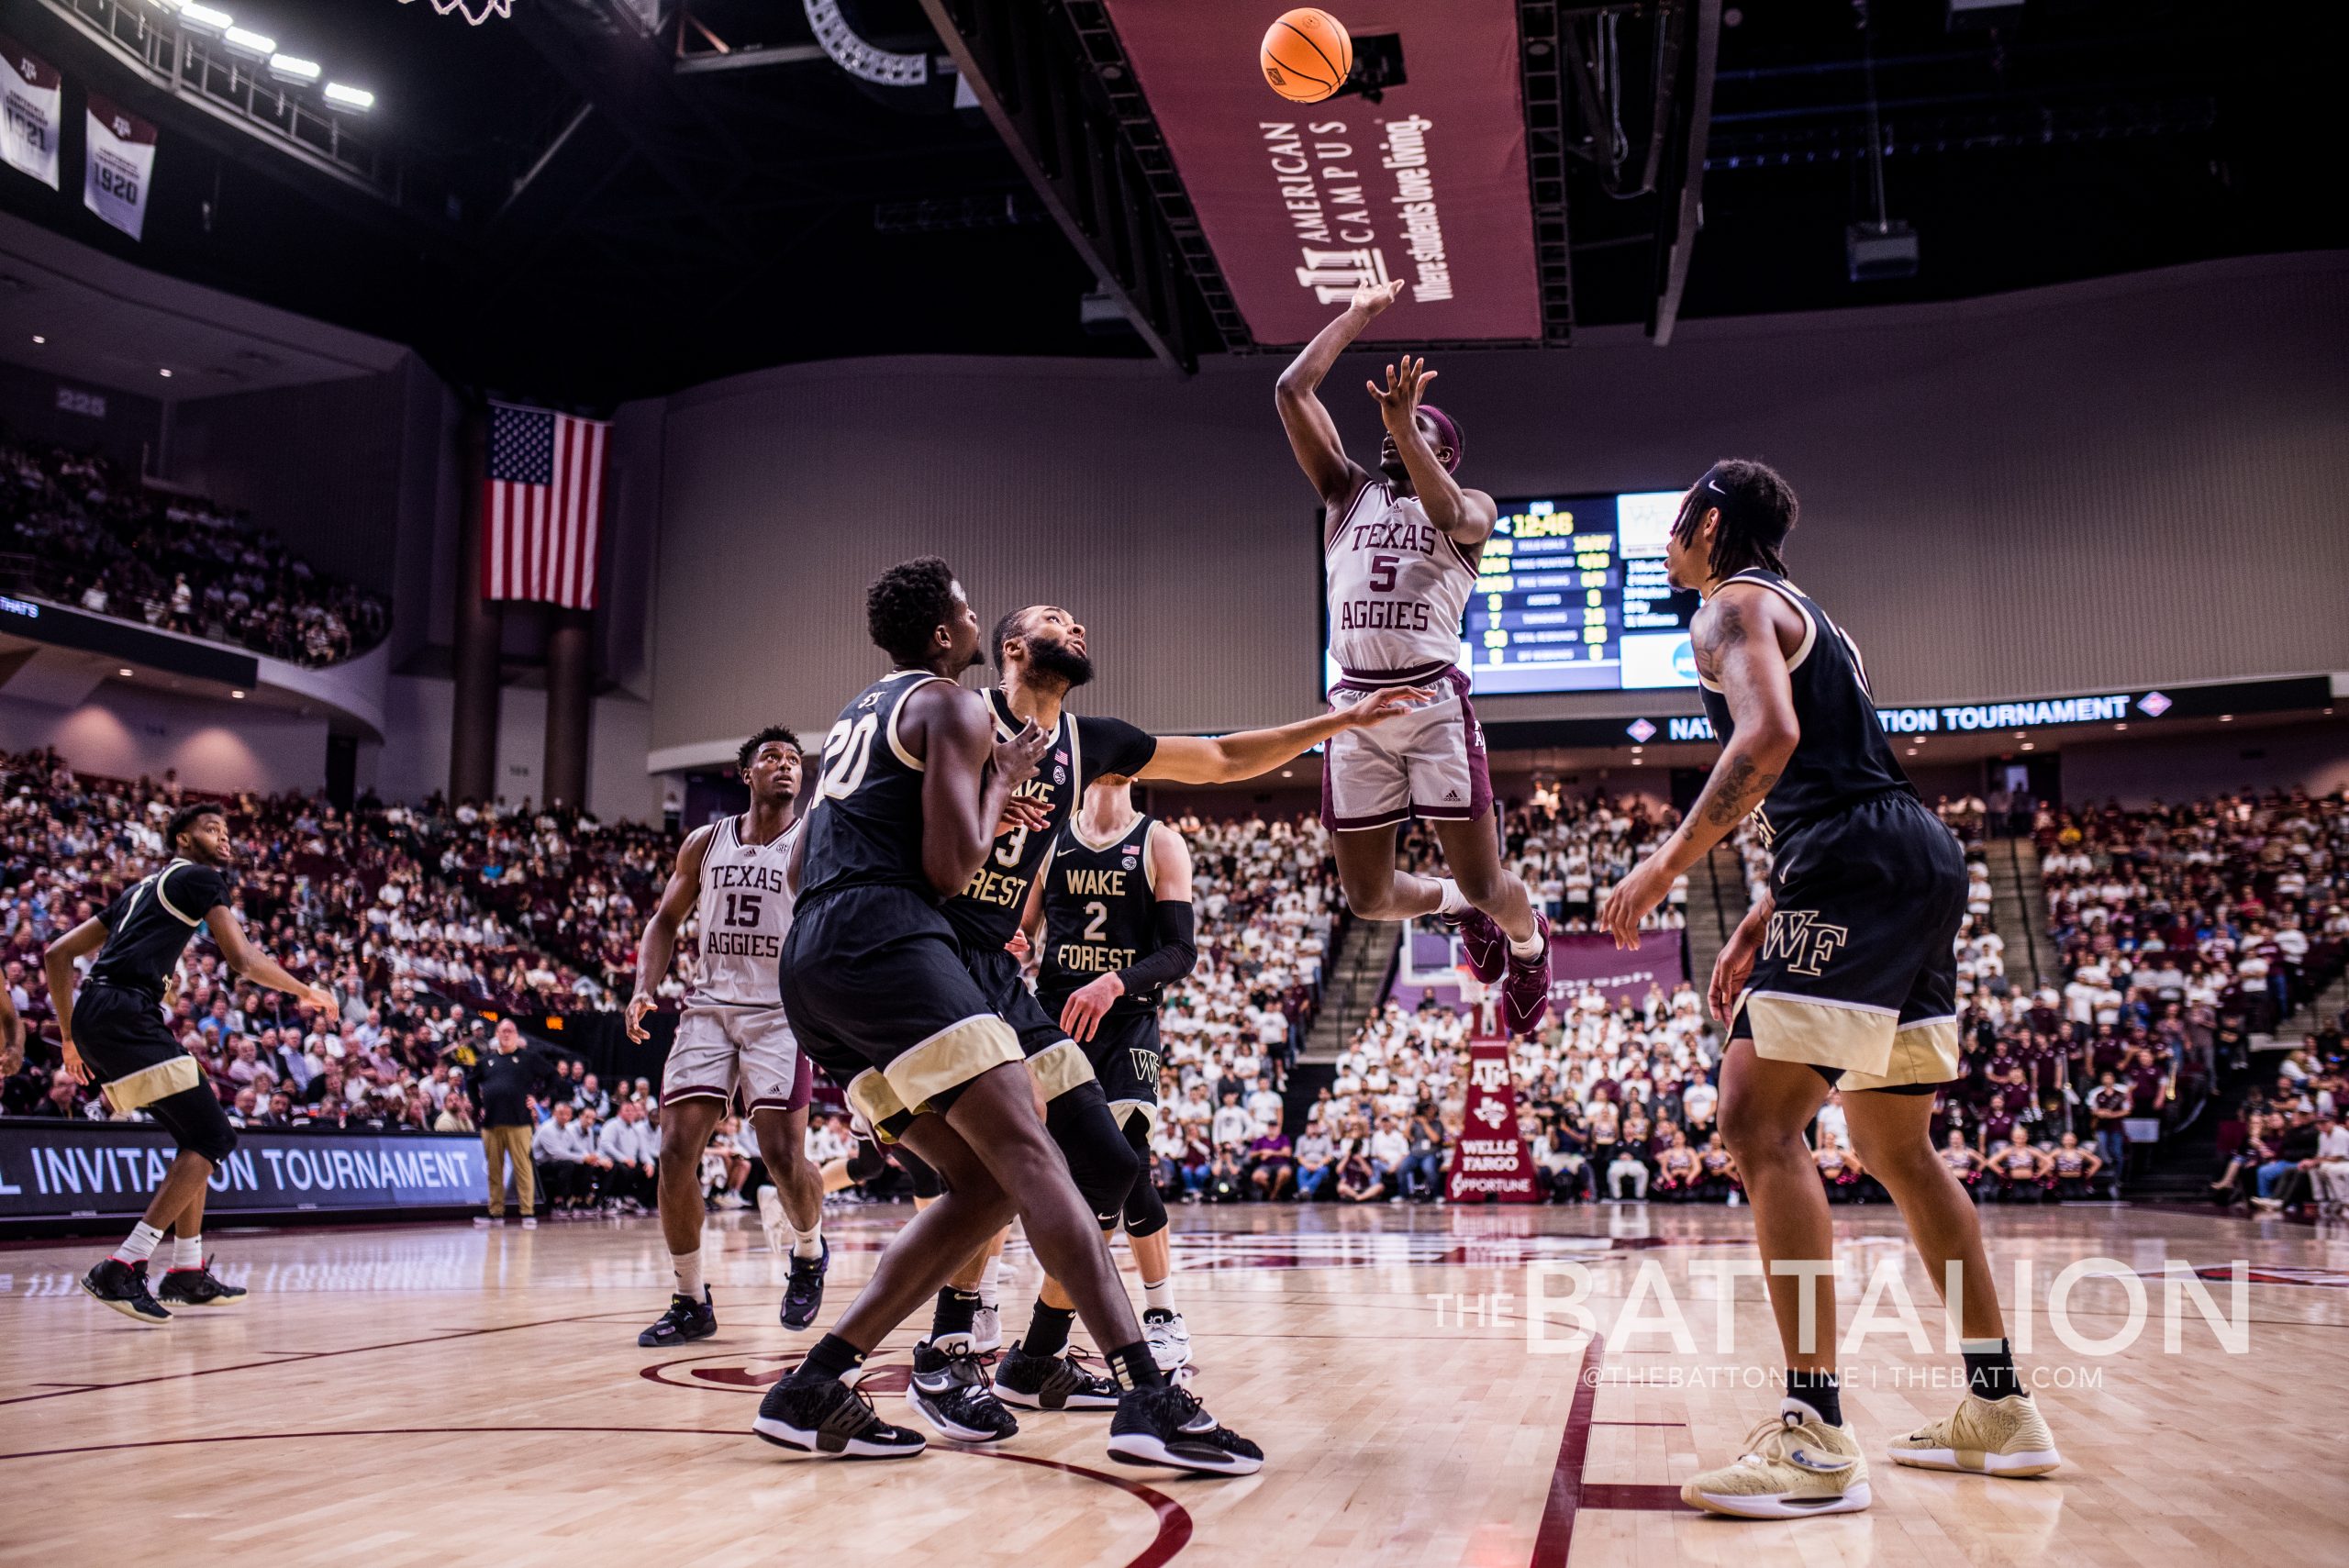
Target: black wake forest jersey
x,y
986,913
1842,756
1100,916
864,827
148,927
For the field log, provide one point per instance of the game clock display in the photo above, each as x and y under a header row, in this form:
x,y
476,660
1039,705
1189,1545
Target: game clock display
x,y
1570,596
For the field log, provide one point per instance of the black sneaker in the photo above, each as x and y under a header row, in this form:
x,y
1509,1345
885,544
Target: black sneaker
x,y
825,1416
685,1319
949,1390
1166,1426
123,1286
803,1293
199,1286
1053,1382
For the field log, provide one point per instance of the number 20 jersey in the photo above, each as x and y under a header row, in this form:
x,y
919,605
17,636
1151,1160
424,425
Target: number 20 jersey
x,y
864,819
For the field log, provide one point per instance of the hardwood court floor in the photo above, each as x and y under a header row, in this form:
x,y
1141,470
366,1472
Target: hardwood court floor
x,y
436,1394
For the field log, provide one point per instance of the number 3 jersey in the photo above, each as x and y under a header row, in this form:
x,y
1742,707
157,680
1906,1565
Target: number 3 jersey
x,y
745,915
986,913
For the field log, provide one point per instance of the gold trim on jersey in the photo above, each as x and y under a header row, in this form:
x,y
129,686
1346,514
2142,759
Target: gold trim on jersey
x,y
1848,1035
149,1084
1923,1052
1119,1109
952,1057
895,745
1060,1067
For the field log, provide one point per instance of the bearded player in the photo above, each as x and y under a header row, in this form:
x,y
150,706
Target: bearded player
x,y
734,1037
1400,552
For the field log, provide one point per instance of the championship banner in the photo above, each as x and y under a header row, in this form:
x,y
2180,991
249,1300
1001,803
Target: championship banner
x,y
119,166
1576,960
73,1170
1303,202
32,113
1490,1162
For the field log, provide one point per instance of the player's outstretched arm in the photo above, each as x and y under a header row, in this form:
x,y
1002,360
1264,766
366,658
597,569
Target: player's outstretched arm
x,y
1465,516
966,782
1227,758
658,946
1738,649
1311,433
248,961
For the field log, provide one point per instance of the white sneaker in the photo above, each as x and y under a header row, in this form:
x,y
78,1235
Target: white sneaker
x,y
1790,1470
1169,1339
986,1331
529,1222
1987,1437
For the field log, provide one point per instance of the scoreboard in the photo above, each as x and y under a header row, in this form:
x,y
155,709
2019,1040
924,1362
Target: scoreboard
x,y
1570,596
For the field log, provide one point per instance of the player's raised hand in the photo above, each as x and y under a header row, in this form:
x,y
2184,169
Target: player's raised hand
x,y
1018,946
1023,814
1631,900
1017,757
1372,298
1398,400
1382,705
632,1021
1081,1014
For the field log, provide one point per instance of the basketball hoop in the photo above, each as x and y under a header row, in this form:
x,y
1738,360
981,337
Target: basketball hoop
x,y
474,11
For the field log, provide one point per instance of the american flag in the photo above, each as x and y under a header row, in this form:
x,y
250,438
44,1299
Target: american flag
x,y
542,517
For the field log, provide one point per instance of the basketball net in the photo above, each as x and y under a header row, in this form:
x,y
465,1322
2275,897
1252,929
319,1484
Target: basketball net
x,y
474,11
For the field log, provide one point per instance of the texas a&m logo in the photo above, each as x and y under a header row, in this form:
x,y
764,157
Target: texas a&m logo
x,y
1802,939
1489,1073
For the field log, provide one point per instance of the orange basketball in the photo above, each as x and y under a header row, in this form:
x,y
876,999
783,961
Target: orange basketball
x,y
1307,55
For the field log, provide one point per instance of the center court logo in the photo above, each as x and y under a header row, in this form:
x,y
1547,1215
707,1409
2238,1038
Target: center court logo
x,y
1803,941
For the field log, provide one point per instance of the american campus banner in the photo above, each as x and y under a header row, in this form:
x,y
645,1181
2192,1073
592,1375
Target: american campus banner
x,y
1303,202
59,1170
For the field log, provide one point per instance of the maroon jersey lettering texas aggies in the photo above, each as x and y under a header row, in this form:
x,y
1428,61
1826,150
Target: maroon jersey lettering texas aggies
x,y
1398,588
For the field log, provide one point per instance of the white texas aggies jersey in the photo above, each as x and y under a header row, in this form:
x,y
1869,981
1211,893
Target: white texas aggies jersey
x,y
745,915
1398,586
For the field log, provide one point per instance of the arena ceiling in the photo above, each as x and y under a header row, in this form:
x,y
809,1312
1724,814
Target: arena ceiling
x,y
581,208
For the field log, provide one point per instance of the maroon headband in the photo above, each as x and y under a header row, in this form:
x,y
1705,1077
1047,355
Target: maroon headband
x,y
1447,434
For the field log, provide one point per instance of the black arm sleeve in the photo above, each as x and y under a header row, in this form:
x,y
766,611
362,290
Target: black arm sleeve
x,y
1176,951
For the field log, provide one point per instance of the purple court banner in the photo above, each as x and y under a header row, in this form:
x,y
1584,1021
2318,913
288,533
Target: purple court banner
x,y
1301,203
1575,960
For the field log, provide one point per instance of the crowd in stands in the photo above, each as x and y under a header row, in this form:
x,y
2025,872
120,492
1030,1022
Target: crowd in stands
x,y
1570,849
89,533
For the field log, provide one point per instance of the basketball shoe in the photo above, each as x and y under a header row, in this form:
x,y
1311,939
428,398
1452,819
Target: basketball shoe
x,y
1167,1426
1525,995
685,1319
1986,1437
198,1286
123,1286
986,1331
803,1293
949,1389
1795,1466
1482,943
1169,1339
1054,1382
824,1415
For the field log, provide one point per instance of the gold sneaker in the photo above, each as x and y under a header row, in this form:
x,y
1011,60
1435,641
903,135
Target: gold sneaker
x,y
1985,1437
1791,1469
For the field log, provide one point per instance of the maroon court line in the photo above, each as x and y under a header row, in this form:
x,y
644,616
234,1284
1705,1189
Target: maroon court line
x,y
1556,1536
1175,1528
292,1357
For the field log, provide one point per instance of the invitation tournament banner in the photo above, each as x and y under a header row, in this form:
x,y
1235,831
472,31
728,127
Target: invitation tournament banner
x,y
55,1170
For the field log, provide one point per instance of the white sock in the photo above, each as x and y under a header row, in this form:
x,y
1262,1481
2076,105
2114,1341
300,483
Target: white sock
x,y
187,1253
140,1245
1453,902
1529,948
1160,1297
808,1243
987,1280
688,1267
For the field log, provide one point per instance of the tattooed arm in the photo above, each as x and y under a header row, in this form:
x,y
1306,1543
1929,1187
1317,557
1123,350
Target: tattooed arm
x,y
1741,639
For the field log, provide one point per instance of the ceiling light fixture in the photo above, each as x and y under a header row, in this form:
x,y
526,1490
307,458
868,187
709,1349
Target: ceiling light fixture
x,y
123,671
240,695
245,41
352,100
289,68
201,19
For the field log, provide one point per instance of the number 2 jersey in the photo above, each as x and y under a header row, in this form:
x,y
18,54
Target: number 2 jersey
x,y
1100,916
986,913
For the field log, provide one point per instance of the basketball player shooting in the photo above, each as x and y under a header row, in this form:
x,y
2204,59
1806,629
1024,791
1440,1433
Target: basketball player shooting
x,y
1400,552
1843,974
115,1036
734,1037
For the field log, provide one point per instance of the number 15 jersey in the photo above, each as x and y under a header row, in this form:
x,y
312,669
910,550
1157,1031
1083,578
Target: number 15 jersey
x,y
745,914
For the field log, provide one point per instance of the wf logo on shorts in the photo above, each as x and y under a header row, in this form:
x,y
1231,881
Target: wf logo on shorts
x,y
1798,937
